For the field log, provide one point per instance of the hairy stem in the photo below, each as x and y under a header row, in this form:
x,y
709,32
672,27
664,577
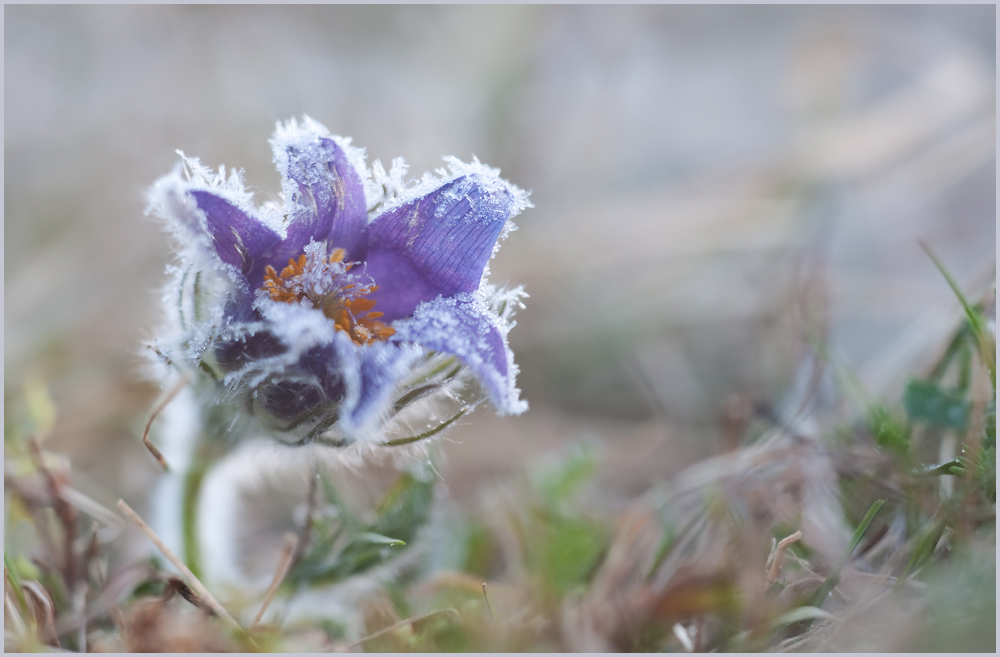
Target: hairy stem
x,y
191,493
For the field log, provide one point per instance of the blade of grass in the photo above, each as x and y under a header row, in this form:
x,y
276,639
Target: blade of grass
x,y
924,546
951,352
976,322
12,576
817,599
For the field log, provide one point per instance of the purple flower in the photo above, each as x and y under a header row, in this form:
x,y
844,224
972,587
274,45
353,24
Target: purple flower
x,y
326,316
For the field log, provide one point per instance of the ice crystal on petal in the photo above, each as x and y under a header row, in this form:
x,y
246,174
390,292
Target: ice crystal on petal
x,y
383,188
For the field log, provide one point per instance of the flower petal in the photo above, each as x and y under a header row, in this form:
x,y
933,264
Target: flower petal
x,y
281,344
240,240
299,362
438,244
214,216
290,399
324,193
466,326
371,374
236,354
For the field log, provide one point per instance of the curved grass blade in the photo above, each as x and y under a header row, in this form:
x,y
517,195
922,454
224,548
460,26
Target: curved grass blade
x,y
987,347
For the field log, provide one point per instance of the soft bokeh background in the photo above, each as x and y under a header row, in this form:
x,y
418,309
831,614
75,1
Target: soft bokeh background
x,y
713,187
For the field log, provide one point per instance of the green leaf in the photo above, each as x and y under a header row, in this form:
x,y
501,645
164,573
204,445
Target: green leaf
x,y
558,483
402,512
939,406
405,508
378,539
344,515
953,467
891,433
563,546
566,551
478,546
359,555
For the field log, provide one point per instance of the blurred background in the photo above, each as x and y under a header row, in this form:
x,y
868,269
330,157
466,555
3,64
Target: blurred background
x,y
715,189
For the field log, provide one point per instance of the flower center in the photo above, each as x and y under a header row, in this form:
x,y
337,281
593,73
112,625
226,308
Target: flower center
x,y
324,282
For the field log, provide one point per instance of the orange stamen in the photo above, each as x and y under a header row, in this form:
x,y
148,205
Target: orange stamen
x,y
360,304
343,311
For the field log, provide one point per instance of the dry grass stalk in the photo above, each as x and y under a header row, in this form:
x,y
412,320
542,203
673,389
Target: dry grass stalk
x,y
92,508
116,587
64,511
489,603
406,622
156,412
43,609
305,535
777,557
725,506
193,581
287,552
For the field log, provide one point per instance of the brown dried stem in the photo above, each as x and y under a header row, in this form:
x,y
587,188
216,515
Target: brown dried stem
x,y
489,601
156,412
287,553
306,533
193,581
404,623
66,513
778,556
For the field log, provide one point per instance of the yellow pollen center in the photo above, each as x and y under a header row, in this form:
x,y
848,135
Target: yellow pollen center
x,y
350,310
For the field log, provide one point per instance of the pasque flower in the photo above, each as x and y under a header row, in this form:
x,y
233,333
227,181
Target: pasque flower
x,y
362,293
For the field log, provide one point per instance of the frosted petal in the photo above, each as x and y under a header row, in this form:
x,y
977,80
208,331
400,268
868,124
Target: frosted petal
x,y
239,239
211,215
438,244
371,374
466,326
324,192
